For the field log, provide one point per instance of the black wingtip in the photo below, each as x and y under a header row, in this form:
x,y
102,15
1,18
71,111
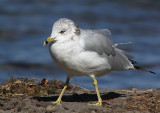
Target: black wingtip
x,y
152,72
140,68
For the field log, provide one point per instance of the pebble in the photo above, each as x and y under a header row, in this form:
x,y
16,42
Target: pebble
x,y
93,111
51,108
1,111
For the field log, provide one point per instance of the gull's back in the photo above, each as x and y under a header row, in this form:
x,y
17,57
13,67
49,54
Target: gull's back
x,y
96,41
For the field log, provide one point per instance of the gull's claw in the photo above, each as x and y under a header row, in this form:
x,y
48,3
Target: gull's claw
x,y
58,102
99,103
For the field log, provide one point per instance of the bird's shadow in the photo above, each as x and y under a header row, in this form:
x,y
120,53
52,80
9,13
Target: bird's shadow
x,y
80,97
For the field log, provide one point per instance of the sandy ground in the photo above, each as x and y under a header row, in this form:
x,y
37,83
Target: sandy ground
x,y
28,96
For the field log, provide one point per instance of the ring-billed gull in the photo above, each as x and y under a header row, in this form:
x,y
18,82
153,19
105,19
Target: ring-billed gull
x,y
86,52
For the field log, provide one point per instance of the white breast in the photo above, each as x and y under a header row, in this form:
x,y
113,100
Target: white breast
x,y
72,58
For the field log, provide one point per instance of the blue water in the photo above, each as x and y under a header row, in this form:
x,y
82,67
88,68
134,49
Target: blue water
x,y
24,25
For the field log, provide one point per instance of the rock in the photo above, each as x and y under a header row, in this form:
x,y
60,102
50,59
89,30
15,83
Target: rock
x,y
93,111
1,111
51,108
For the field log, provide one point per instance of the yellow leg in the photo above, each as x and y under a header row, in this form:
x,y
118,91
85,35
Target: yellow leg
x,y
99,103
58,101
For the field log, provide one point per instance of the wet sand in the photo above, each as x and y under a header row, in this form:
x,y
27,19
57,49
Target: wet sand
x,y
25,95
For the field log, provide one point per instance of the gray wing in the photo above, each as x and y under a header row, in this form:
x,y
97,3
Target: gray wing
x,y
102,45
98,42
104,32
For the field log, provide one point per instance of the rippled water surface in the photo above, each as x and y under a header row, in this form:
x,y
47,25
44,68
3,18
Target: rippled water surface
x,y
24,25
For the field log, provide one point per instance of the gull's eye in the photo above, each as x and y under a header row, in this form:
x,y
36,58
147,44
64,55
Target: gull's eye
x,y
62,31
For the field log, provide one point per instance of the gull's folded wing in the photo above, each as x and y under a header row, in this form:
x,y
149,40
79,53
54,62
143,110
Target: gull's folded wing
x,y
92,40
104,32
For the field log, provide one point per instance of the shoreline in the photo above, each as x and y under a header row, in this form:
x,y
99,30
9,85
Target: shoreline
x,y
28,95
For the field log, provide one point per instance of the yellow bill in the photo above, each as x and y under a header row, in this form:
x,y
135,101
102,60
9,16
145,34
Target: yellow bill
x,y
49,39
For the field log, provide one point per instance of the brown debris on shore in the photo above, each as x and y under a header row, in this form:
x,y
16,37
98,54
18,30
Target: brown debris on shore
x,y
30,95
30,87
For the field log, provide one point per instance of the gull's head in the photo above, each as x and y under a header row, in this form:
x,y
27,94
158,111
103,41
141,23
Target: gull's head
x,y
63,29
